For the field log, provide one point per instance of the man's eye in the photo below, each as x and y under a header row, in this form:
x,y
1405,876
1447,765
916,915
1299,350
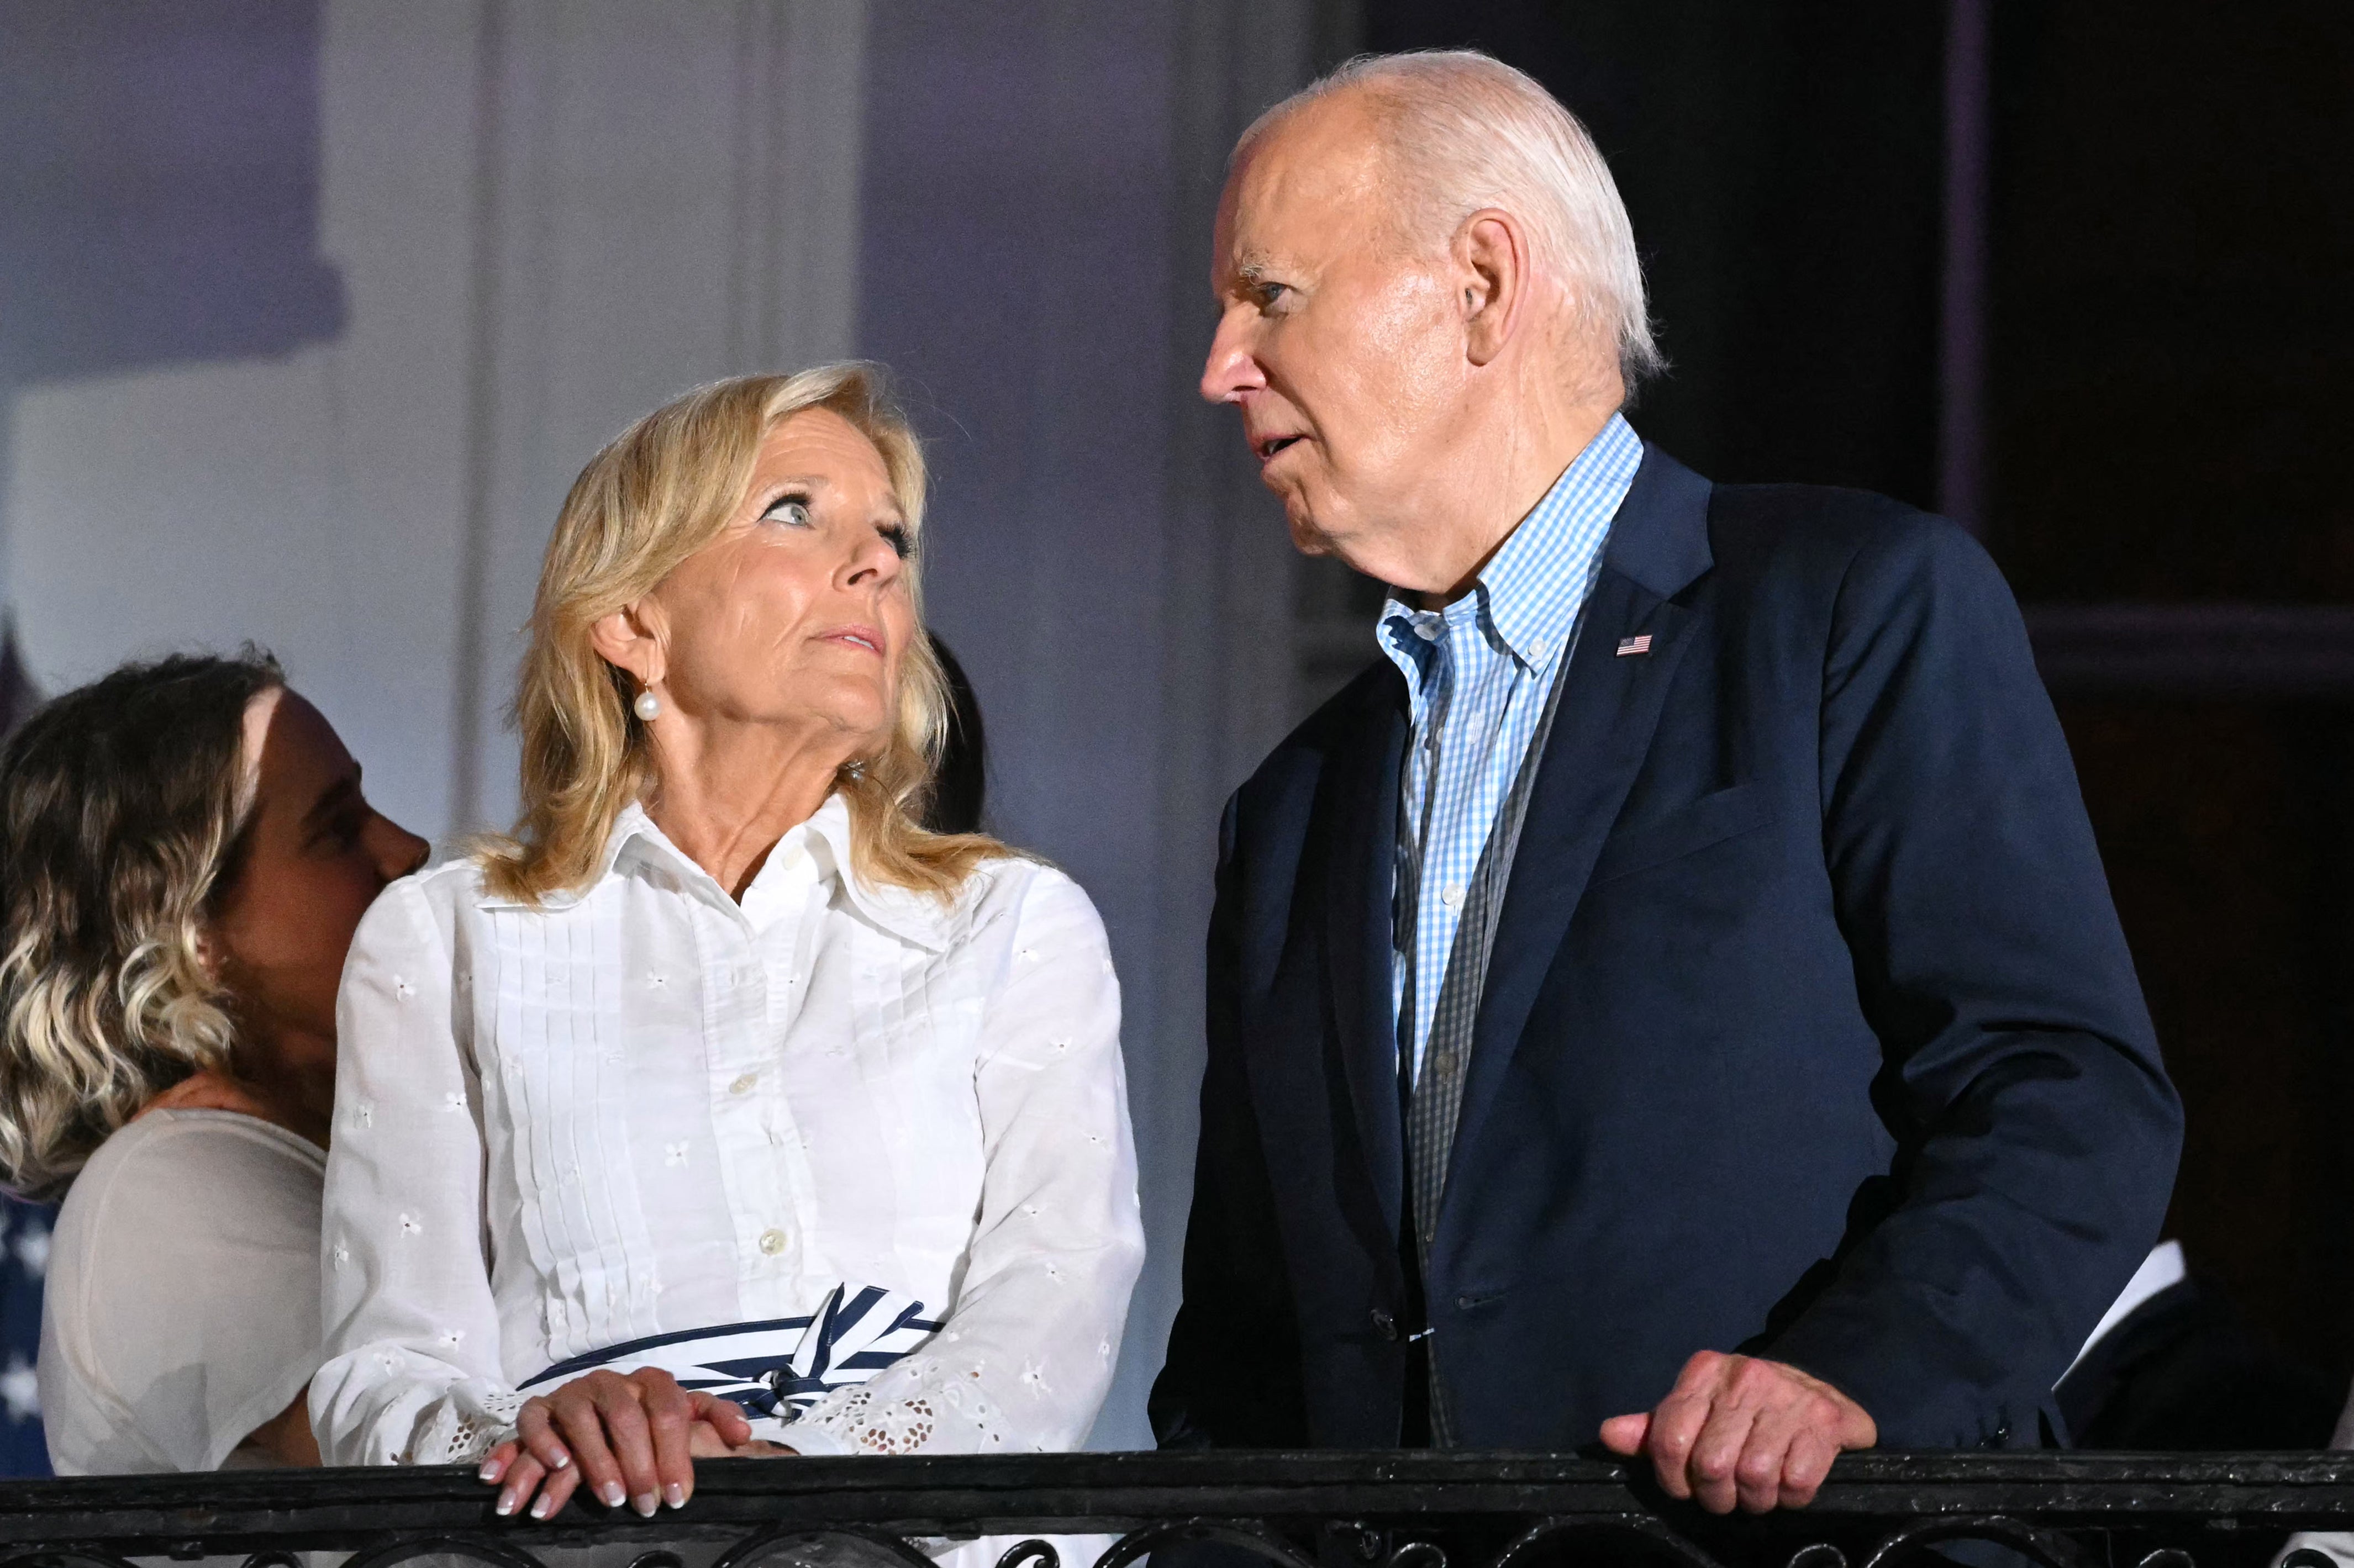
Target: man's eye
x,y
1270,293
790,510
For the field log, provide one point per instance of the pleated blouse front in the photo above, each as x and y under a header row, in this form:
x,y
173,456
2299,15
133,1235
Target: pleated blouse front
x,y
647,1110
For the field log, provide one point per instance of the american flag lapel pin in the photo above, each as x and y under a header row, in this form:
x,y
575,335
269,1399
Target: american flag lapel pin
x,y
1628,646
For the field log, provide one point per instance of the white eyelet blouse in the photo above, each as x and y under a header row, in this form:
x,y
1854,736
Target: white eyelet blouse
x,y
647,1109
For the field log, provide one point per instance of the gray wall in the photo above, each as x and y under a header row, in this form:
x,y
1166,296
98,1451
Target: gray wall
x,y
1038,190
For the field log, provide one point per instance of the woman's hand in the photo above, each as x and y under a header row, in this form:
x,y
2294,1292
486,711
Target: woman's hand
x,y
631,1438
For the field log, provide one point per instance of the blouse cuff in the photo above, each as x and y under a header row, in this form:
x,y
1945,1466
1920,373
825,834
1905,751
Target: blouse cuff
x,y
459,1430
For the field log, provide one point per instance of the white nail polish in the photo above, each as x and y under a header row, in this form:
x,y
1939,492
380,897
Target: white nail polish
x,y
541,1508
563,1460
612,1494
645,1503
490,1470
675,1495
506,1504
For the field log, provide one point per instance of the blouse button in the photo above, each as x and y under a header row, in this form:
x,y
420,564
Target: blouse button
x,y
743,1086
773,1241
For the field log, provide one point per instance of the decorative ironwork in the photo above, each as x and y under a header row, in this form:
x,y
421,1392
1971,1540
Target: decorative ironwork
x,y
1285,1510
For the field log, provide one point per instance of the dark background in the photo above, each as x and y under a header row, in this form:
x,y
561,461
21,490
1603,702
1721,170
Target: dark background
x,y
2167,351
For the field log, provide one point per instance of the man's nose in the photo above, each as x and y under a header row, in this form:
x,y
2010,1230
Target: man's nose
x,y
1231,369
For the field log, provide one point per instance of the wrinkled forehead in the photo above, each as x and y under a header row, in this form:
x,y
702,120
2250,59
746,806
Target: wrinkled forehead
x,y
820,447
821,435
1311,185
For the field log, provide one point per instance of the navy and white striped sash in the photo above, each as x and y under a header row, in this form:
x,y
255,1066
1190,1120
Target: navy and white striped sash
x,y
778,1368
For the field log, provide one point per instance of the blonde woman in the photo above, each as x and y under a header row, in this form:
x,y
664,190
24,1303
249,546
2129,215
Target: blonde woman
x,y
723,1104
184,851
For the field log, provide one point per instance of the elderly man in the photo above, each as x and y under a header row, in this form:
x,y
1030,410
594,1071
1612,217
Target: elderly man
x,y
1672,994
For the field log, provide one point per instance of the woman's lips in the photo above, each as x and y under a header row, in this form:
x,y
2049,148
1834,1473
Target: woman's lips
x,y
862,637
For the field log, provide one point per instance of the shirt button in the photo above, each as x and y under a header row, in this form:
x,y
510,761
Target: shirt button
x,y
773,1241
1425,629
743,1086
1452,898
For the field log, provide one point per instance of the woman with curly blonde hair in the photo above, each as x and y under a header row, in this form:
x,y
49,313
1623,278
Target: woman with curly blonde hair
x,y
184,852
723,1104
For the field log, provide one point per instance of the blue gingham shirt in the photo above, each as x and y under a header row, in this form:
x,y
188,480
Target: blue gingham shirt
x,y
1476,673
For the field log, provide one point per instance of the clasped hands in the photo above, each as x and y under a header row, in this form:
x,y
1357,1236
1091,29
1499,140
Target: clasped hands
x,y
631,1437
1739,1429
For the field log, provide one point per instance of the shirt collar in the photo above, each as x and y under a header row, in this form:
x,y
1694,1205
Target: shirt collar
x,y
1530,591
913,916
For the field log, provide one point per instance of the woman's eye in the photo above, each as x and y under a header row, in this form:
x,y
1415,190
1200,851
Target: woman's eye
x,y
790,510
900,541
342,831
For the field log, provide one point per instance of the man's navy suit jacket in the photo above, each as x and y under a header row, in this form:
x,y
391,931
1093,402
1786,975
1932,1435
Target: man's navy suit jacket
x,y
1809,1030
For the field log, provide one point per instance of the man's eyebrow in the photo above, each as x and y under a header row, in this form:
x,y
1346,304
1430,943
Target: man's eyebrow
x,y
1247,270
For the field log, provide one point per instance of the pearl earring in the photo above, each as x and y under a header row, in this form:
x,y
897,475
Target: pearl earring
x,y
648,706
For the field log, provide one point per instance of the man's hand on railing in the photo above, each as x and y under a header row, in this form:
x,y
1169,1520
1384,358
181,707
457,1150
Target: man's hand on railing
x,y
1741,1429
633,1439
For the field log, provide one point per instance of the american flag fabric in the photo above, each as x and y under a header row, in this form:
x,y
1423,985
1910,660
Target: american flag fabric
x,y
24,1263
1476,673
24,1227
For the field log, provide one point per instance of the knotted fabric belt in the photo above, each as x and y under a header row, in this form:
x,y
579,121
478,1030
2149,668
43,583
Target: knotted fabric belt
x,y
777,1369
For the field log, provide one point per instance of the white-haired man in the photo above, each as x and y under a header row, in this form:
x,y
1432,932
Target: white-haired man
x,y
1672,994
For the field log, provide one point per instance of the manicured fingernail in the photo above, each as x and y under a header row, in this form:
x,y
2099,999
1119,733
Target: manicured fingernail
x,y
490,1470
645,1503
562,1459
506,1503
541,1508
675,1495
612,1494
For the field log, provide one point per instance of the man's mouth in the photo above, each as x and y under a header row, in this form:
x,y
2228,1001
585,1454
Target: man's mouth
x,y
1268,446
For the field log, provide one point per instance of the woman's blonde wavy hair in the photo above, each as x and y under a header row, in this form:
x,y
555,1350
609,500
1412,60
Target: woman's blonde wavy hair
x,y
122,812
660,491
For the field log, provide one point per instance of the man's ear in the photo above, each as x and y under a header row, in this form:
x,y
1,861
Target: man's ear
x,y
626,639
1492,253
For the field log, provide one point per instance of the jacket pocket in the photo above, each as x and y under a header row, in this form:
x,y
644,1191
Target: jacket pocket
x,y
1707,822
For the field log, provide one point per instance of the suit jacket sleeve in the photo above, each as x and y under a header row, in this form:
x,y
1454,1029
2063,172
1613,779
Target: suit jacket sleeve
x,y
1232,1376
2038,1128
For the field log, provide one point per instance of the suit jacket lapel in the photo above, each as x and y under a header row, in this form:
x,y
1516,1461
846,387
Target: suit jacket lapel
x,y
1360,816
1658,546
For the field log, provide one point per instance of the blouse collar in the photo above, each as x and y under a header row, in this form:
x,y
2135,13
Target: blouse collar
x,y
913,916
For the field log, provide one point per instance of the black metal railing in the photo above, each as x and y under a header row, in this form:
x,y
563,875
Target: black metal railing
x,y
1288,1510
